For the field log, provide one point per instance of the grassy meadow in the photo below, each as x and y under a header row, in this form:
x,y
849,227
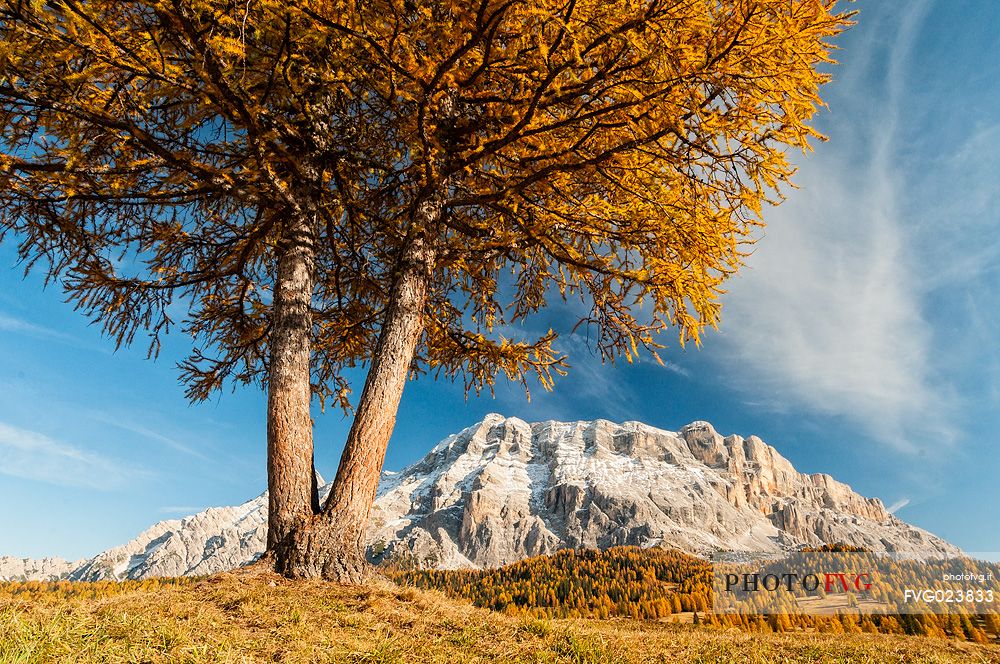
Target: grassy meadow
x,y
256,616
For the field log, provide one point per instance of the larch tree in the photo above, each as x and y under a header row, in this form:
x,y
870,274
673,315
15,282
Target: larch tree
x,y
396,185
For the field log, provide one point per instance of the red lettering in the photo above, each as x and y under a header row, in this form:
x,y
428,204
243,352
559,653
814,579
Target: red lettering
x,y
839,576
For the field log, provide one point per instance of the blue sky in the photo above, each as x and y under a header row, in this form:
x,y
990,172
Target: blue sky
x,y
860,340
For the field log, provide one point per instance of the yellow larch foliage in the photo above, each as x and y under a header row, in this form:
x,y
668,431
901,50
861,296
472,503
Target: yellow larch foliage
x,y
617,151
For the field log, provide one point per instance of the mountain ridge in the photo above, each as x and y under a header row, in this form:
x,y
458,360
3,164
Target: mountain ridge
x,y
504,489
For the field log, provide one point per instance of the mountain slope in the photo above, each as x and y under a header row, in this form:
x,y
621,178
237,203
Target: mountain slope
x,y
504,489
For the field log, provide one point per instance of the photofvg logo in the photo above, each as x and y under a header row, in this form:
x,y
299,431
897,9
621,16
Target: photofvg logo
x,y
831,582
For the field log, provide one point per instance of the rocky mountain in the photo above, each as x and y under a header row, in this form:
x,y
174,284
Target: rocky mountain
x,y
217,539
29,569
505,489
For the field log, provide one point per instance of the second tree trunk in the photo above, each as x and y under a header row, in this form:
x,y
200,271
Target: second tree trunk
x,y
331,544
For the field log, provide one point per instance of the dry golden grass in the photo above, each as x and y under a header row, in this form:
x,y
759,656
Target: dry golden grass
x,y
260,617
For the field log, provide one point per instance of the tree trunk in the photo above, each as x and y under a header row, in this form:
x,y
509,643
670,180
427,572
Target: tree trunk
x,y
289,425
332,546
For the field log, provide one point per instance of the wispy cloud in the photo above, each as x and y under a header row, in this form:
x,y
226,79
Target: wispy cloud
x,y
673,367
898,505
145,432
181,509
35,456
828,313
21,326
28,328
588,381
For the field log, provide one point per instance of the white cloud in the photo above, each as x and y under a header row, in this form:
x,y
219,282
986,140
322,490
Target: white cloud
x,y
20,326
898,505
35,456
673,367
827,315
145,432
181,509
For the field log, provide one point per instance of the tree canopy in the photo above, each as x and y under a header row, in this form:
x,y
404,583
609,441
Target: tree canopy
x,y
620,150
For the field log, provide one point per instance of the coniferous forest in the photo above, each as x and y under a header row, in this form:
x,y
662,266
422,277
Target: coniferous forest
x,y
663,585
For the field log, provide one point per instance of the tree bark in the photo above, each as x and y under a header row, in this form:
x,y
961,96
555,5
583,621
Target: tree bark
x,y
332,545
289,425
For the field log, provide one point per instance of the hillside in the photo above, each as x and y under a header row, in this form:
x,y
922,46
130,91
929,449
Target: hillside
x,y
504,489
259,617
667,585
